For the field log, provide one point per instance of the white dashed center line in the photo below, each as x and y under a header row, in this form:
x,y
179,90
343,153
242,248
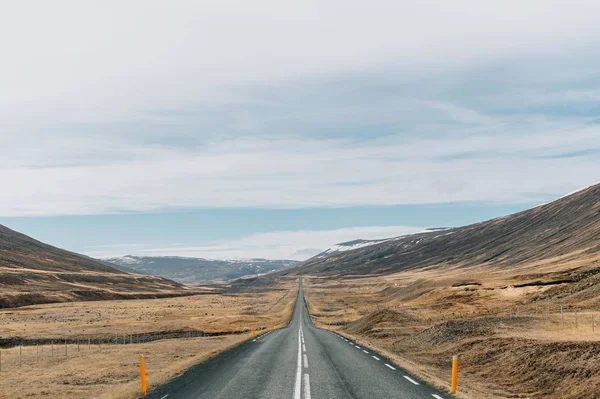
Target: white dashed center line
x,y
436,396
305,362
365,351
375,357
390,366
306,386
411,380
298,385
357,347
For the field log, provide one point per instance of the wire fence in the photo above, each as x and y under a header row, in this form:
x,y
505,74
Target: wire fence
x,y
17,352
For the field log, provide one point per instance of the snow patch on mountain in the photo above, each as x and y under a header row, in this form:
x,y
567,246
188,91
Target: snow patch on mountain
x,y
356,244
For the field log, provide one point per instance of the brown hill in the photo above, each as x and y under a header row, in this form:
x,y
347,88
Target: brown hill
x,y
33,272
566,229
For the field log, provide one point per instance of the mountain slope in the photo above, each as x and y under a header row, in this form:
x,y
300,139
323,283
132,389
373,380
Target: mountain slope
x,y
33,272
197,270
567,228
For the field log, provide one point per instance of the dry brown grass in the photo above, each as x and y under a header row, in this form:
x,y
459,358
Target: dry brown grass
x,y
107,372
421,318
110,371
208,313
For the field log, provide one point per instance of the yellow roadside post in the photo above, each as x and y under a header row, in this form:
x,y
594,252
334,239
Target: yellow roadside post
x,y
254,333
143,374
454,374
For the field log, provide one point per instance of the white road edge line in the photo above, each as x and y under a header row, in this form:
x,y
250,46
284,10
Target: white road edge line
x,y
306,386
411,380
436,396
375,357
297,387
393,368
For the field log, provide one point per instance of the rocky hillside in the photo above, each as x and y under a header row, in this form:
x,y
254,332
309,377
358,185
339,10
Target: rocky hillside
x,y
33,272
197,270
565,229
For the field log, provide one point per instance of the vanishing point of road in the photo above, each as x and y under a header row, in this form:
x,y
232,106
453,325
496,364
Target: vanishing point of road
x,y
299,361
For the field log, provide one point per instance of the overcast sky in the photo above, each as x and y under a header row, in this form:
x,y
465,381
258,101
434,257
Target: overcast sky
x,y
232,129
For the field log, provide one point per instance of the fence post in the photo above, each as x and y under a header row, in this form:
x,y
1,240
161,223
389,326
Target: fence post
x,y
454,374
66,354
562,317
143,374
37,353
20,347
52,348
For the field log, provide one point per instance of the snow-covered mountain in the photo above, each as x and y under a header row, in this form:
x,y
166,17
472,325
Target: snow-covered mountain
x,y
197,270
356,244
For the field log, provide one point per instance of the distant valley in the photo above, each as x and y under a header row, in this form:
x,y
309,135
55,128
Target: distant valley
x,y
197,270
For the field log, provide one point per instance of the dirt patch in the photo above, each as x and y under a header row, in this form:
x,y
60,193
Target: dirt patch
x,y
456,331
465,283
375,324
530,368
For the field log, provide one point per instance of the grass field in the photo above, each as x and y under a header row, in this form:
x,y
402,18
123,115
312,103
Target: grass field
x,y
509,332
111,371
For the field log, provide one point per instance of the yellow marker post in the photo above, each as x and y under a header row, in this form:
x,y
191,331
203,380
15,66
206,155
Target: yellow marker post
x,y
454,374
143,375
254,333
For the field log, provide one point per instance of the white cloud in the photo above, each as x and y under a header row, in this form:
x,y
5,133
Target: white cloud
x,y
298,245
138,106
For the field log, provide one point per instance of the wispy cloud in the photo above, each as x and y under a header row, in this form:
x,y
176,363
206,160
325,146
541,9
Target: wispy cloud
x,y
310,172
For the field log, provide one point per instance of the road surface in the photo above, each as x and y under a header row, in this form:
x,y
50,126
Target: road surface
x,y
297,362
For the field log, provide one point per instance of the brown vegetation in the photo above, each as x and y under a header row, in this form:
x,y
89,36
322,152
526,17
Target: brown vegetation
x,y
512,342
109,370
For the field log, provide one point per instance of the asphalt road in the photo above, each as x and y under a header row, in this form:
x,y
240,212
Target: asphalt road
x,y
297,362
